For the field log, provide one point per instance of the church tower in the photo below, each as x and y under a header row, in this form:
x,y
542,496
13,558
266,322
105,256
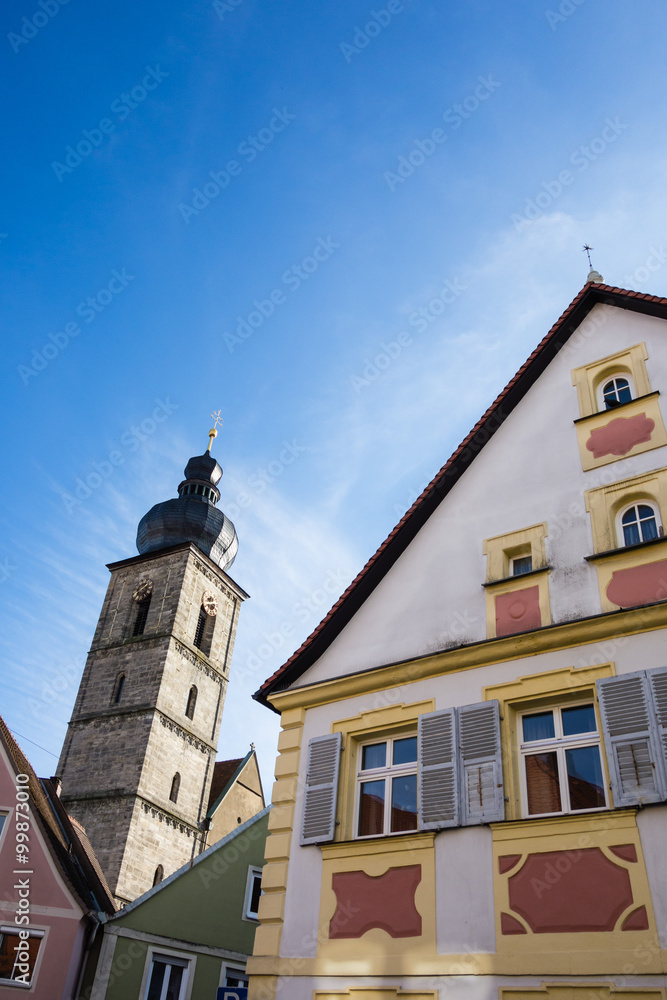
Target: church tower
x,y
137,761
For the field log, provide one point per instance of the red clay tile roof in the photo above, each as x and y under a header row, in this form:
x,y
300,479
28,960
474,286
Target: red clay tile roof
x,y
406,529
223,771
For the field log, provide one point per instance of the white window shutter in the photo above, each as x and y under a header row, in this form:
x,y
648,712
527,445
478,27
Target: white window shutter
x,y
319,808
630,739
481,766
438,779
658,682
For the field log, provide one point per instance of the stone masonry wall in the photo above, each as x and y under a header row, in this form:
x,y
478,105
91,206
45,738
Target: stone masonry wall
x,y
136,747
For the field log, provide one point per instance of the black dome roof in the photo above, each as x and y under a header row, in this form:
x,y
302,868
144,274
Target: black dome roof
x,y
192,516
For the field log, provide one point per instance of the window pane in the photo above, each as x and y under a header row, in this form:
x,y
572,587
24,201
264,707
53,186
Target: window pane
x,y
522,565
542,783
374,755
538,727
175,980
405,751
255,894
649,528
631,534
404,803
584,776
9,956
157,978
371,808
579,719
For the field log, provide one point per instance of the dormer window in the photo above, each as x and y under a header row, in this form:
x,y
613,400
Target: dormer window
x,y
520,565
639,523
616,391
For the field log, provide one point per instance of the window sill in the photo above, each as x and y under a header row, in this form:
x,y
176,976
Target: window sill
x,y
519,576
379,845
625,548
617,409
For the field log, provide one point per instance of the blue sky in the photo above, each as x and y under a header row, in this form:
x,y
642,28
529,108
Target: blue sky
x,y
345,225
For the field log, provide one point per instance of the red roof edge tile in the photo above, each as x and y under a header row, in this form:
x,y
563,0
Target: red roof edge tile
x,y
406,529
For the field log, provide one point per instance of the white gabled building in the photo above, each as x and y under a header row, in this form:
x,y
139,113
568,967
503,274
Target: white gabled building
x,y
472,776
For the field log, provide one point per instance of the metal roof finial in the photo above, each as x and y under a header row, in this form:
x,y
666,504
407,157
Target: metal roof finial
x,y
593,276
213,433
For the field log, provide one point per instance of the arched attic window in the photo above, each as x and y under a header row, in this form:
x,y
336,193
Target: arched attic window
x,y
191,703
175,785
118,689
615,391
639,523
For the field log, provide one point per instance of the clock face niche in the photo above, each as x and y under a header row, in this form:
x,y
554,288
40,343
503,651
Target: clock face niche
x,y
209,603
143,589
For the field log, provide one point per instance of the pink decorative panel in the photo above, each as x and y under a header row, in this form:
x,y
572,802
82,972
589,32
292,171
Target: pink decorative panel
x,y
638,585
620,436
518,611
385,901
628,852
570,891
637,920
507,862
510,925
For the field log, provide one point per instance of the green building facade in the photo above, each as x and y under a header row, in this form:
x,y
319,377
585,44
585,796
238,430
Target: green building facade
x,y
189,934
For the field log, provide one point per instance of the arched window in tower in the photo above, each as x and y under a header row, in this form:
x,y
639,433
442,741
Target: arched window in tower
x,y
205,628
175,785
141,597
118,689
159,875
192,701
140,616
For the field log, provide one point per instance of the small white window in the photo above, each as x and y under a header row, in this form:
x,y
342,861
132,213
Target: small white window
x,y
639,523
168,978
387,787
253,891
615,391
561,765
520,565
235,977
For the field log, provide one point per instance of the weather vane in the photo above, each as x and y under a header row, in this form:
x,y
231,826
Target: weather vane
x,y
587,250
213,433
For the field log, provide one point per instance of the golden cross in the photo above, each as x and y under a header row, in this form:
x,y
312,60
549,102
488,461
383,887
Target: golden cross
x,y
213,433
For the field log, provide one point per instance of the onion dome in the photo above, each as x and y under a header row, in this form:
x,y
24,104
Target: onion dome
x,y
192,517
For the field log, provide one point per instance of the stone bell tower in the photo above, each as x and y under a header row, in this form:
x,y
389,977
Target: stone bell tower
x,y
137,761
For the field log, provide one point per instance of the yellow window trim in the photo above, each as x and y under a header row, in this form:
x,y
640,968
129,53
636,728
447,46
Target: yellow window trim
x,y
501,548
536,690
374,993
587,378
605,502
582,991
385,721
